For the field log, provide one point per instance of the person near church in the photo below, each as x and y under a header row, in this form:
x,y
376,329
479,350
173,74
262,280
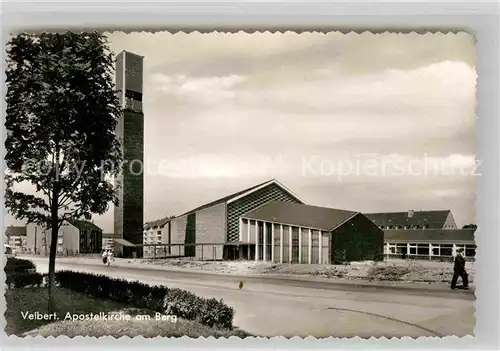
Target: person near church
x,y
105,257
459,270
110,257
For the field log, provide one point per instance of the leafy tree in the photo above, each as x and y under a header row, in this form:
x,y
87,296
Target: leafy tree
x,y
469,226
62,111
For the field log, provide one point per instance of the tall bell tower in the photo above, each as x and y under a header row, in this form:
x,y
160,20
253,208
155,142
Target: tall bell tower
x,y
128,216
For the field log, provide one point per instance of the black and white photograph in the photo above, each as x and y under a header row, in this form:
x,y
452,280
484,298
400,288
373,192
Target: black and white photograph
x,y
240,184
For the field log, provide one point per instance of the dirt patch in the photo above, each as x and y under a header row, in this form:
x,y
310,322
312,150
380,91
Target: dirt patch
x,y
307,270
392,270
387,273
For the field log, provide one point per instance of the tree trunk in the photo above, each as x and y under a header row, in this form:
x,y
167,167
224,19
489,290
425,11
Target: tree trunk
x,y
53,247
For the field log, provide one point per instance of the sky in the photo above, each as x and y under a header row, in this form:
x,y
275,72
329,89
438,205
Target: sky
x,y
364,122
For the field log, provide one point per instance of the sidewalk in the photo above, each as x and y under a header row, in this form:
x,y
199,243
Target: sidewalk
x,y
355,283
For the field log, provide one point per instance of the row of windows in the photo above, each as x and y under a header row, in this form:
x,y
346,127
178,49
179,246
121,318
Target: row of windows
x,y
429,249
151,233
405,227
18,241
59,240
159,251
416,226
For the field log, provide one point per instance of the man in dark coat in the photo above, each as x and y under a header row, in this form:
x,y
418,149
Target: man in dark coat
x,y
459,271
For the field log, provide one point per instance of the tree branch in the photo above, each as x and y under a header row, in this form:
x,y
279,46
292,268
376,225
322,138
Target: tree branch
x,y
63,203
70,215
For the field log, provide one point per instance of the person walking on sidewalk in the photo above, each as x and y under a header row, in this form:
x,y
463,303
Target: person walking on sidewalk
x,y
110,256
459,271
105,257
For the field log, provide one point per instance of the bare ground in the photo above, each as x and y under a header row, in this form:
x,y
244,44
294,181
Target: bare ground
x,y
411,271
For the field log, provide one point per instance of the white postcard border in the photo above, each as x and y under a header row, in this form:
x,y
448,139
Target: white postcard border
x,y
479,18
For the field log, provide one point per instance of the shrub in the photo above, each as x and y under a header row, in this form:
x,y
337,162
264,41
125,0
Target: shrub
x,y
339,256
209,312
181,303
20,273
19,265
23,279
216,313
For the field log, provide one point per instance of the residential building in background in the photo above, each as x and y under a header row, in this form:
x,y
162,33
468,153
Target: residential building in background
x,y
16,238
74,237
413,220
158,232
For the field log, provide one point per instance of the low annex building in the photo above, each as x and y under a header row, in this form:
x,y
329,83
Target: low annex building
x,y
432,244
108,240
113,241
297,233
429,235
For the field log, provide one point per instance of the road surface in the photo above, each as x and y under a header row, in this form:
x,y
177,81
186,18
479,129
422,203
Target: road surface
x,y
284,307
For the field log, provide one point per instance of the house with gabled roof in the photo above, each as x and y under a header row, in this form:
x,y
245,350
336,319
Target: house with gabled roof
x,y
75,236
441,219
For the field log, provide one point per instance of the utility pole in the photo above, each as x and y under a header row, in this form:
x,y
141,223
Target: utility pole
x,y
34,249
45,234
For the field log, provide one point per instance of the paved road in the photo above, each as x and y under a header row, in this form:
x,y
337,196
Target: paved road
x,y
271,307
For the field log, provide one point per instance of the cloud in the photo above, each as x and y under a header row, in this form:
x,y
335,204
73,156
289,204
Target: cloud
x,y
336,167
206,90
446,87
426,110
225,111
244,53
